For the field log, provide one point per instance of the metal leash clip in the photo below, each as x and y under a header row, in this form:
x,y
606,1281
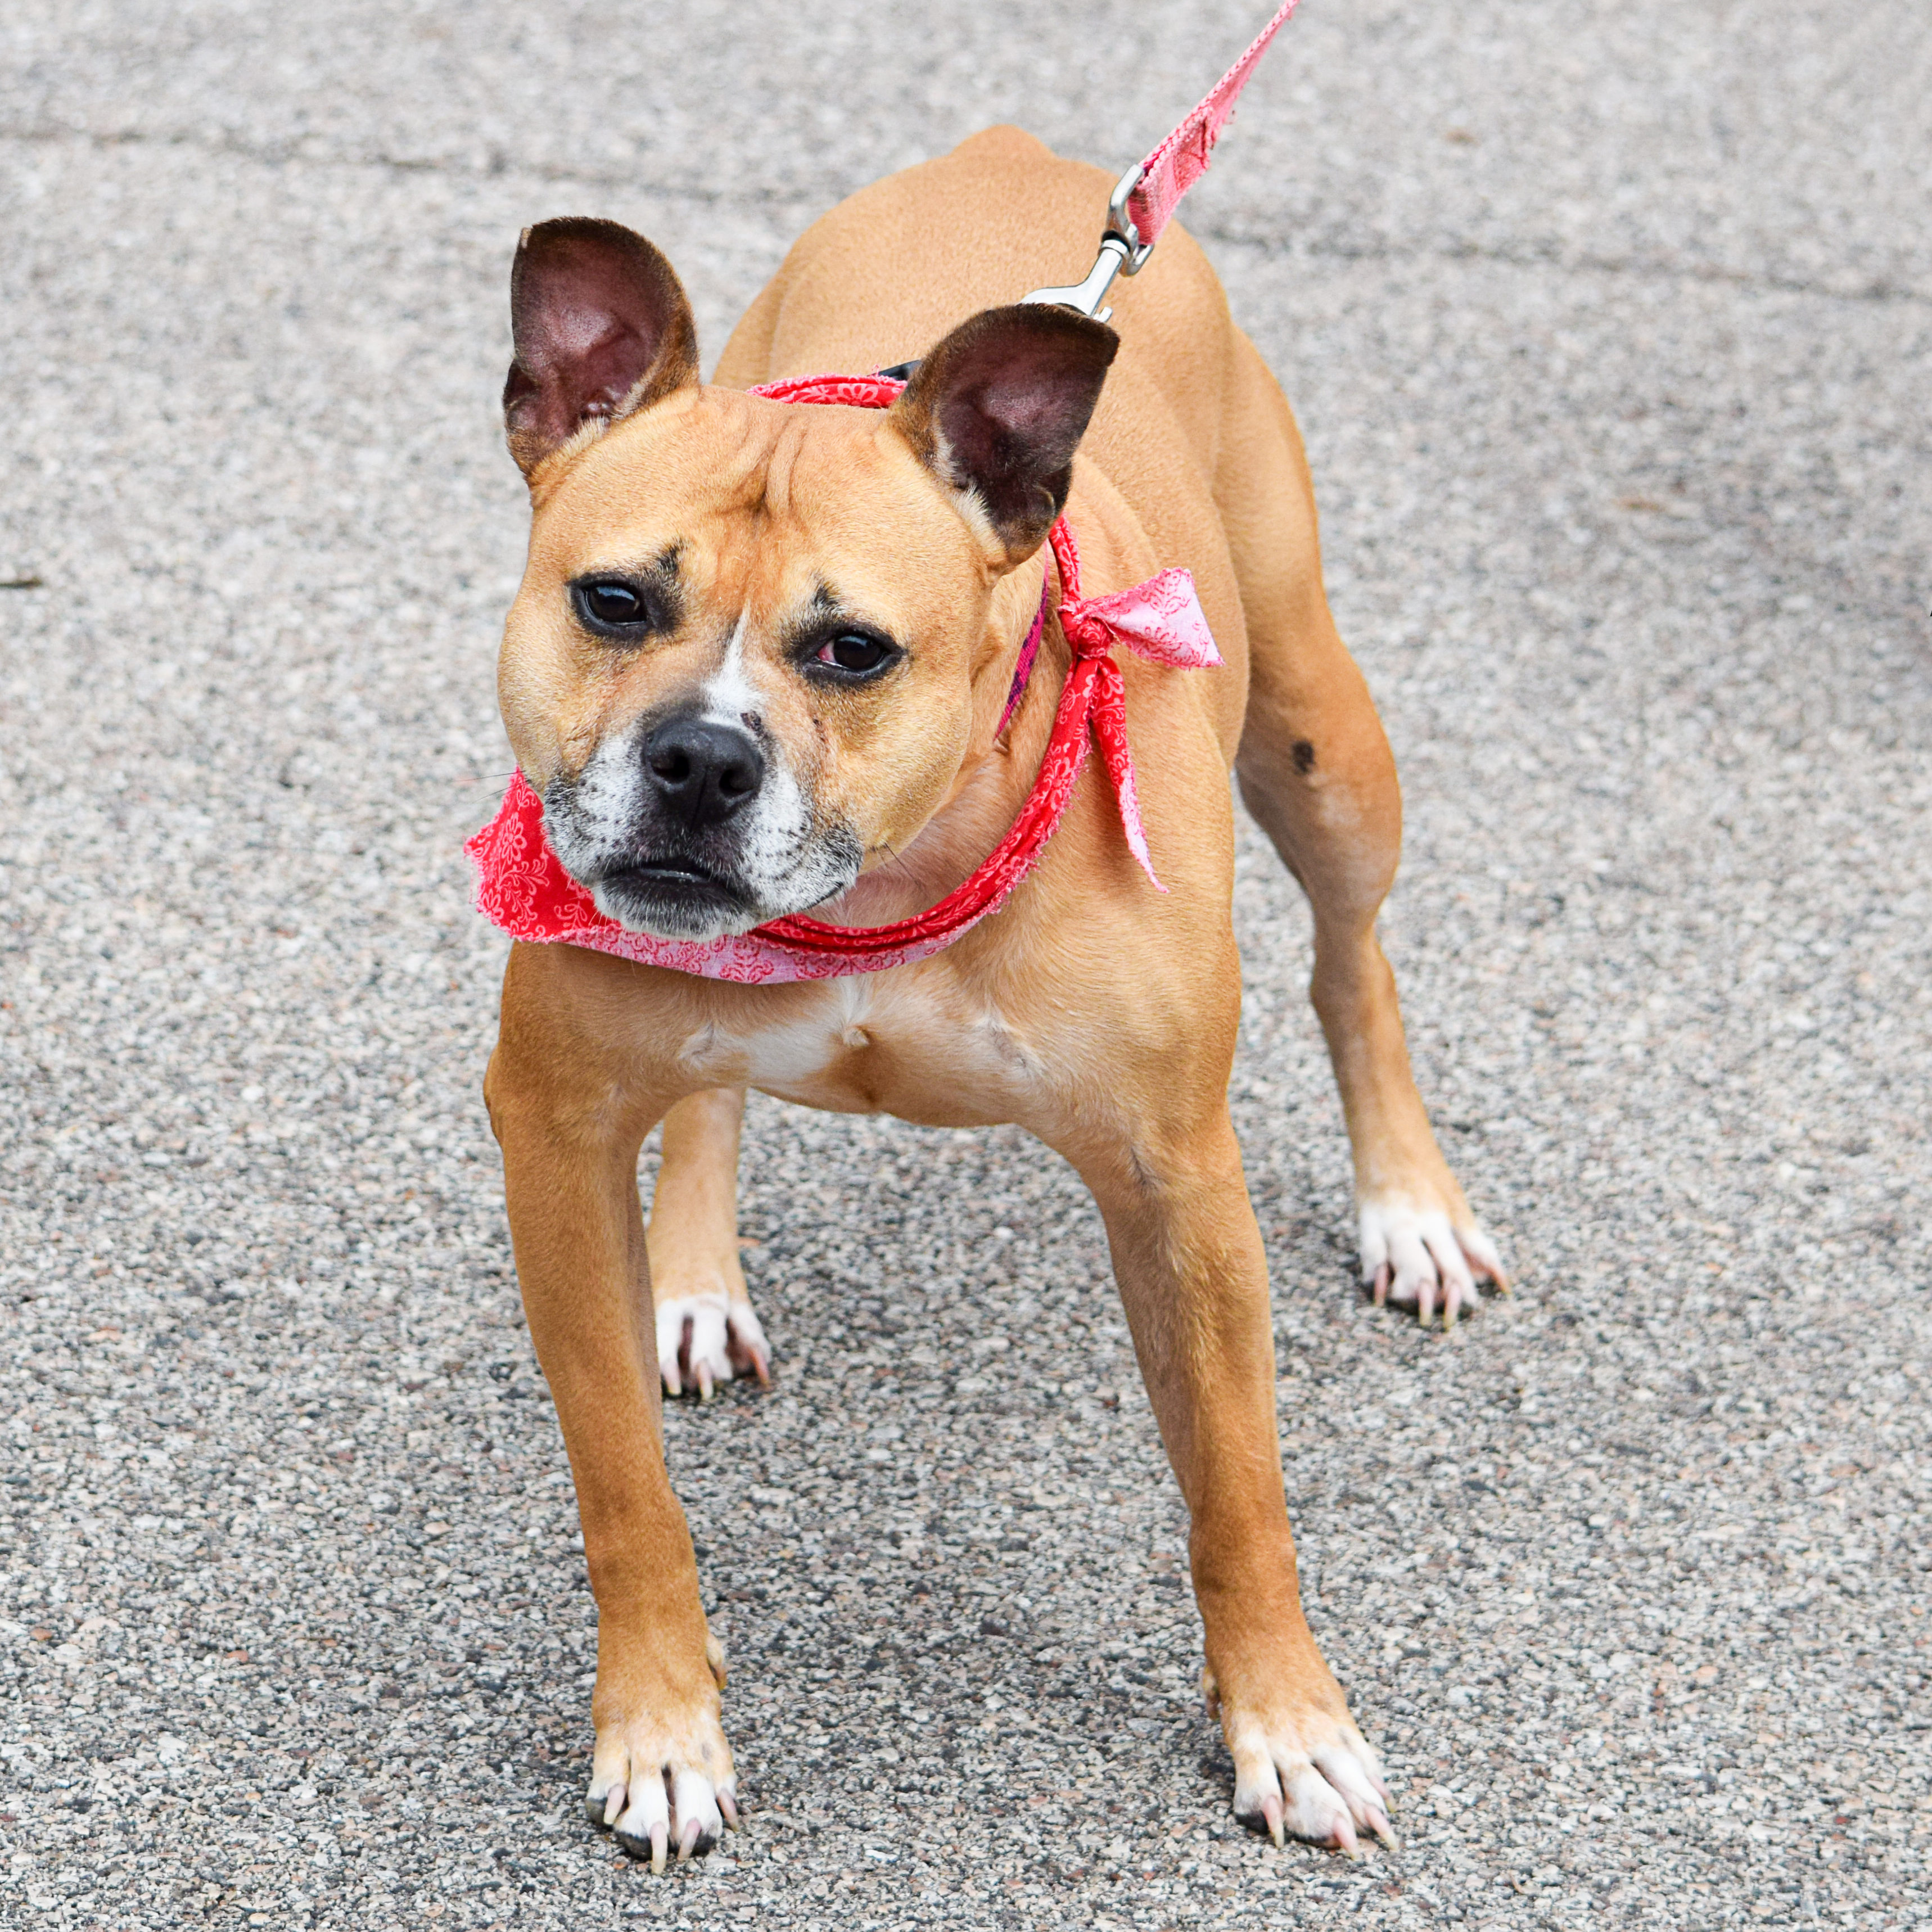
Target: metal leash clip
x,y
1122,253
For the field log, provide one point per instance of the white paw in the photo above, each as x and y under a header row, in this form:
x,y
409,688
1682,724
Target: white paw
x,y
1418,1256
1315,1779
647,1818
704,1339
657,1786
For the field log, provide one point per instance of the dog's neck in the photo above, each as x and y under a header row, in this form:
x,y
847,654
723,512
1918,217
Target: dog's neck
x,y
994,777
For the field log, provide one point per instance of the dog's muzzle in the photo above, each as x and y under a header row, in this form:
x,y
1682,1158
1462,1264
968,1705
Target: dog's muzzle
x,y
692,803
685,828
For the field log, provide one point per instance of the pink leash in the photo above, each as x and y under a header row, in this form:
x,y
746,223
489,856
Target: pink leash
x,y
1181,159
1146,196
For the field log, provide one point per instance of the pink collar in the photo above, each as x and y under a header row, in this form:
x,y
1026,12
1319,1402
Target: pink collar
x,y
522,887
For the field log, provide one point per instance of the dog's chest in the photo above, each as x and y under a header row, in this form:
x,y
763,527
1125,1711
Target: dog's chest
x,y
914,1045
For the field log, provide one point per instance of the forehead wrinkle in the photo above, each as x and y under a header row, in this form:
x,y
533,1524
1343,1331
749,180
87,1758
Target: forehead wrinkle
x,y
777,516
782,458
741,471
754,496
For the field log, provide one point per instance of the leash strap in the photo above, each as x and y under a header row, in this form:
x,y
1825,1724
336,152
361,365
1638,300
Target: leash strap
x,y
1145,197
1181,159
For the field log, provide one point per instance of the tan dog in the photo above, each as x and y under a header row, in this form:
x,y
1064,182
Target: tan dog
x,y
757,663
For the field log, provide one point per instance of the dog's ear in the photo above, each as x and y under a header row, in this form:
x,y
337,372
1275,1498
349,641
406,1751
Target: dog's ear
x,y
602,329
996,411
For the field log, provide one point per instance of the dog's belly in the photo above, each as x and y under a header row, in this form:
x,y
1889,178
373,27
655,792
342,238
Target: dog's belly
x,y
909,1044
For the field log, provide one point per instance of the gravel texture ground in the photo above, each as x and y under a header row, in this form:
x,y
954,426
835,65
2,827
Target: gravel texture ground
x,y
1610,328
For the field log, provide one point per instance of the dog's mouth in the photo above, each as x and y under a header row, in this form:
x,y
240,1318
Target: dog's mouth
x,y
667,871
673,897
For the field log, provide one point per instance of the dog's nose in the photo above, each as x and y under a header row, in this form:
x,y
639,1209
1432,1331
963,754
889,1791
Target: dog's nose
x,y
703,771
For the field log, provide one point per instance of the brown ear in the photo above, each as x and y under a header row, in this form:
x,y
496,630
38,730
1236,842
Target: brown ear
x,y
996,411
602,329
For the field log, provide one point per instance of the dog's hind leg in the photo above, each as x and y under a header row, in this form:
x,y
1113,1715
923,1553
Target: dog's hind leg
x,y
706,1330
1316,771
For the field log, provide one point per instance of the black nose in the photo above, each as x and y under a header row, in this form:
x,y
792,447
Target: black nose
x,y
704,772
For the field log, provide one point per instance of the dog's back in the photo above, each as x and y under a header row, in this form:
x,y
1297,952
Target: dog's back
x,y
890,271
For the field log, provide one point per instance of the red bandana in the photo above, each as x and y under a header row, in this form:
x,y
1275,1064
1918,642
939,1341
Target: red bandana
x,y
522,887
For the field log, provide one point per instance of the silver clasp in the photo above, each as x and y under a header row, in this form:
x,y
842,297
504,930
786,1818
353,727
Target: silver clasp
x,y
1122,253
1121,223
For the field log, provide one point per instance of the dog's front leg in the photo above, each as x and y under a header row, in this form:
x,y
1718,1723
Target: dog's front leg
x,y
1189,1259
662,1770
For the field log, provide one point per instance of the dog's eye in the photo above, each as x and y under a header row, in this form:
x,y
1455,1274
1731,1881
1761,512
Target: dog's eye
x,y
852,651
614,603
609,604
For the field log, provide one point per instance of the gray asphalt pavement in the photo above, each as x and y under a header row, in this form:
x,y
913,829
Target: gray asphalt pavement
x,y
1610,330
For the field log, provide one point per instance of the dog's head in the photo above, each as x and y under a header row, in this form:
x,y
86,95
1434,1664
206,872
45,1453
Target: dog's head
x,y
745,657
